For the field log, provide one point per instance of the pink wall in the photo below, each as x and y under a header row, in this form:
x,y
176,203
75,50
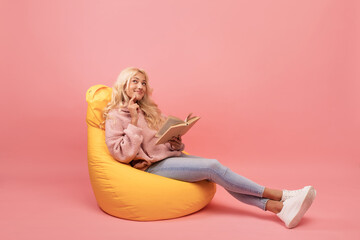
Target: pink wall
x,y
267,77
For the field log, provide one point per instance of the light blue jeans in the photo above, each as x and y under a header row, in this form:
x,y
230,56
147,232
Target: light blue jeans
x,y
190,168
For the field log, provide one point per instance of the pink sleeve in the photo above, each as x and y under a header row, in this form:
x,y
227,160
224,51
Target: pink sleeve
x,y
123,143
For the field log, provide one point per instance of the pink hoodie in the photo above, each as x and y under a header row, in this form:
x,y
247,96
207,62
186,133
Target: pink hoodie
x,y
134,145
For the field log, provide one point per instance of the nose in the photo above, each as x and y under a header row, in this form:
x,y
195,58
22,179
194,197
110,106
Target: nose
x,y
140,86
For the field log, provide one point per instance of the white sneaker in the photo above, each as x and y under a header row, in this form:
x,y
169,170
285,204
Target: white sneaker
x,y
287,194
295,207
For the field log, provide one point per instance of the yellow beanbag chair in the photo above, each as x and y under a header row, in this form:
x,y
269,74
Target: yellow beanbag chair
x,y
126,192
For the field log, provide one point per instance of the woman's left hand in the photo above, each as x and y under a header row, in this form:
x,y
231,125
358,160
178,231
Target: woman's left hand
x,y
175,143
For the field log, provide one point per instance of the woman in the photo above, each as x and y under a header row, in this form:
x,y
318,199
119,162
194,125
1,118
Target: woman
x,y
131,122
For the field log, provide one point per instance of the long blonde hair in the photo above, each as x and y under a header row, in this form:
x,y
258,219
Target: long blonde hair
x,y
120,99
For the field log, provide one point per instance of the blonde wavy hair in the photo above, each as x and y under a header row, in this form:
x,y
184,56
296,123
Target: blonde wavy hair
x,y
120,99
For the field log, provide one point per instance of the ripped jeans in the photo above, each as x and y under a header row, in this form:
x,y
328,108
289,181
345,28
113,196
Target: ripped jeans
x,y
190,168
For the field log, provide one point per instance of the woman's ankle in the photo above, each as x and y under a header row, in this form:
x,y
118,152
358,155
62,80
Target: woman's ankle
x,y
272,194
274,206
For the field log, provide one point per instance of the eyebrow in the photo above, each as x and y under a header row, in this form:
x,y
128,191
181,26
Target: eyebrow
x,y
139,79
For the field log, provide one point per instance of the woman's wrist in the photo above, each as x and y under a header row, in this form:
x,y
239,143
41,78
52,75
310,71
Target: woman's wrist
x,y
134,122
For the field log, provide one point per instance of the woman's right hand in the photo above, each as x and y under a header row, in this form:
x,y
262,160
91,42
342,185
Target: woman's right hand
x,y
133,109
175,143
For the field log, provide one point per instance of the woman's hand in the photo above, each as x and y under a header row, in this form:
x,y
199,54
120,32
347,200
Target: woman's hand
x,y
133,109
175,142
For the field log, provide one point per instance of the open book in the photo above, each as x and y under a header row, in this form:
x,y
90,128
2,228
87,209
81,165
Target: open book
x,y
173,127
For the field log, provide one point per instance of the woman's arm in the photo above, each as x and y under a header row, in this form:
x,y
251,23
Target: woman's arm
x,y
123,143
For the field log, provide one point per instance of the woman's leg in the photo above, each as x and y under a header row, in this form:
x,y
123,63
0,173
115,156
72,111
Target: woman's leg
x,y
290,208
259,202
192,168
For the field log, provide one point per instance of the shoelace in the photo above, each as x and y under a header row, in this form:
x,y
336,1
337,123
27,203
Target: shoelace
x,y
290,193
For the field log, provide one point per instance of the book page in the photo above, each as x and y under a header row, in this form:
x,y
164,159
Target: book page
x,y
176,130
172,131
190,120
188,117
170,121
189,124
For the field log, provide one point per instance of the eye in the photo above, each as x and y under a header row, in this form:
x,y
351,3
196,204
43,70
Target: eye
x,y
144,83
134,81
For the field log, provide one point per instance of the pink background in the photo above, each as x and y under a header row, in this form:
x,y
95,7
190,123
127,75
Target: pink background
x,y
276,84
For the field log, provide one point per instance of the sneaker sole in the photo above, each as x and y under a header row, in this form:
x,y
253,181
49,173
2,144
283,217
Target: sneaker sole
x,y
306,203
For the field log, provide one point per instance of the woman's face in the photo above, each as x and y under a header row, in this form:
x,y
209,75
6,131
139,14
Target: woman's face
x,y
137,87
